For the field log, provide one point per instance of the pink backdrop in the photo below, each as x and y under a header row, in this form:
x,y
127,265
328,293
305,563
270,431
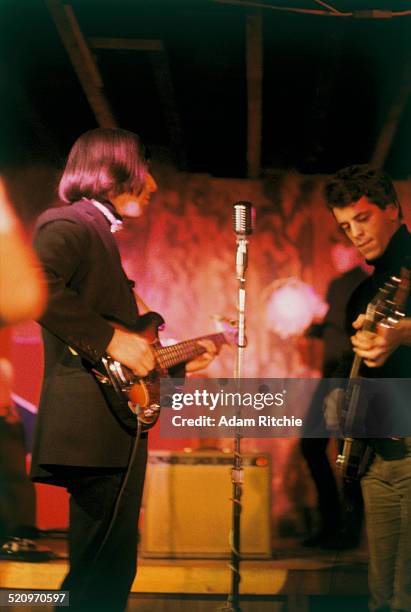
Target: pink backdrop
x,y
181,256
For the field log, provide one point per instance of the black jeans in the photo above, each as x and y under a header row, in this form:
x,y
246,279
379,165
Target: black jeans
x,y
101,575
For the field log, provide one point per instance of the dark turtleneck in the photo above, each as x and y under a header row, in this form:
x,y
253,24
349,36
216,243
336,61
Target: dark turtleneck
x,y
398,365
398,249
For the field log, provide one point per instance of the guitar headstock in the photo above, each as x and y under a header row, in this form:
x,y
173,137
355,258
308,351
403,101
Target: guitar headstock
x,y
403,286
389,303
229,327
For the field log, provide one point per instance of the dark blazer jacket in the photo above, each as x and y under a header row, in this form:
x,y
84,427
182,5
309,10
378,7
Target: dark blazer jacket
x,y
87,288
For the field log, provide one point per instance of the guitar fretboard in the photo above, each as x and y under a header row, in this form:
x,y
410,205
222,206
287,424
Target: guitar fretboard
x,y
369,325
169,356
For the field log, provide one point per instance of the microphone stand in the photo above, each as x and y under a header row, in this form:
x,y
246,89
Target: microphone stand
x,y
237,472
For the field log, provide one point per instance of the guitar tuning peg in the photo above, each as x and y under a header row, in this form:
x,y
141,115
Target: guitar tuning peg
x,y
223,319
389,322
399,314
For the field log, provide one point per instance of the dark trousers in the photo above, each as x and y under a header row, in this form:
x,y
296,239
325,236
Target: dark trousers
x,y
314,451
102,568
17,496
335,514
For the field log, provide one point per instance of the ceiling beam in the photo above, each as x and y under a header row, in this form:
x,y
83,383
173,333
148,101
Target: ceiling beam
x,y
386,137
162,75
126,44
254,62
326,78
82,61
165,88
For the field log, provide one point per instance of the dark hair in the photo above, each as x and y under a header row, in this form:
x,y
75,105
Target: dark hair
x,y
361,180
101,161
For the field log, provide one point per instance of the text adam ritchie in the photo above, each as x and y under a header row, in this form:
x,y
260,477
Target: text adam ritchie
x,y
223,421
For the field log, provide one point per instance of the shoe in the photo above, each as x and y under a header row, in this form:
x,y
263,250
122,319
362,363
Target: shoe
x,y
22,549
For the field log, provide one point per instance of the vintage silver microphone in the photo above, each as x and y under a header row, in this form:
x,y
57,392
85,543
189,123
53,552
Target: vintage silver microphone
x,y
243,216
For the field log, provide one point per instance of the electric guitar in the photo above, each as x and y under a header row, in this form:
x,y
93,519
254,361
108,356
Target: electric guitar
x,y
387,308
133,398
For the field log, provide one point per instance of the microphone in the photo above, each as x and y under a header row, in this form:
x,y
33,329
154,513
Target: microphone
x,y
243,217
243,227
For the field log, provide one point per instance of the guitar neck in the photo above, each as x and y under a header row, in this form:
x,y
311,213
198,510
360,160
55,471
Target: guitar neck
x,y
169,356
355,368
368,325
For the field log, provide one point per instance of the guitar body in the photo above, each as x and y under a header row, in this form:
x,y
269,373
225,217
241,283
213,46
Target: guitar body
x,y
354,458
355,452
131,398
386,307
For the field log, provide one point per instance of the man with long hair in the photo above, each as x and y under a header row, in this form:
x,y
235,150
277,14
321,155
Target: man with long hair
x,y
80,444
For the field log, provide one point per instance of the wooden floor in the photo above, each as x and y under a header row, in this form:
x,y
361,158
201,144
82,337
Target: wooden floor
x,y
295,579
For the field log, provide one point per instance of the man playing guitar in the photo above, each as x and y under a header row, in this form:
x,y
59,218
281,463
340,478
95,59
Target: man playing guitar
x,y
365,205
80,444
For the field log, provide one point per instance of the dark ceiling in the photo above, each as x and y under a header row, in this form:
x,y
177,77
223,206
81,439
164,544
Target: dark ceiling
x,y
329,83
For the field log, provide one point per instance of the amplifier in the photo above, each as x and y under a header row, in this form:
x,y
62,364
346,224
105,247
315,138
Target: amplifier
x,y
187,505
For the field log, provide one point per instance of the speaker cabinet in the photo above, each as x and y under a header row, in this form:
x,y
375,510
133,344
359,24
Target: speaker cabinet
x,y
187,505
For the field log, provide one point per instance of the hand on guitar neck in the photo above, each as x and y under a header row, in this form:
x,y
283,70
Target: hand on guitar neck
x,y
376,347
202,361
135,352
135,362
132,351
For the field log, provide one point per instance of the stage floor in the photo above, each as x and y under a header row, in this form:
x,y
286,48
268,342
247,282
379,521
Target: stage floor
x,y
295,578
